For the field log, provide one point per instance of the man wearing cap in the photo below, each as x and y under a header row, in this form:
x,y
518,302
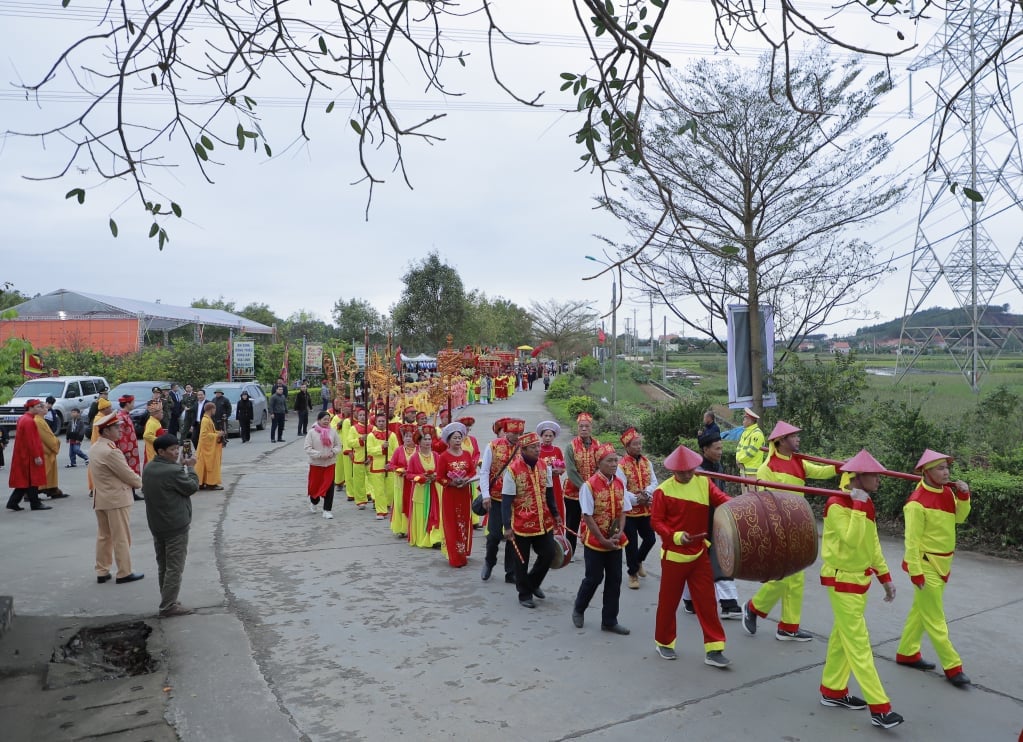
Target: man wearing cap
x,y
785,466
496,458
153,430
356,442
748,454
851,553
931,514
637,472
222,412
530,516
169,486
679,514
104,394
28,468
114,481
580,465
604,504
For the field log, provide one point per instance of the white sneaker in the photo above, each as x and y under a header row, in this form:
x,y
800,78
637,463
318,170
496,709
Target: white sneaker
x,y
327,515
313,508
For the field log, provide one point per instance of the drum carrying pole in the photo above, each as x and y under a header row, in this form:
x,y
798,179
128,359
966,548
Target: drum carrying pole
x,y
835,463
770,485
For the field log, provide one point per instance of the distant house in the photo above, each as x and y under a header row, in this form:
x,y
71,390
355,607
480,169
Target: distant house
x,y
840,346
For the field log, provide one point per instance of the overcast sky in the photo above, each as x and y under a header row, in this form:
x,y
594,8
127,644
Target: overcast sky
x,y
499,199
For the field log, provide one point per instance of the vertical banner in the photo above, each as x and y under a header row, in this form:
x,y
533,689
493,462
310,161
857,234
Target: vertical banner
x,y
243,359
740,370
313,360
360,357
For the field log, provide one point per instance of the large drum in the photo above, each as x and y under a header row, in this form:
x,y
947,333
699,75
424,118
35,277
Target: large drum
x,y
765,535
562,551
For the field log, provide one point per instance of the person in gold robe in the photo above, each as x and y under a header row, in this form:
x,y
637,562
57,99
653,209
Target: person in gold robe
x,y
209,452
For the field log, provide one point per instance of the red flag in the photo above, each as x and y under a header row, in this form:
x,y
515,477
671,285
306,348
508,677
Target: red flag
x,y
601,337
32,365
284,368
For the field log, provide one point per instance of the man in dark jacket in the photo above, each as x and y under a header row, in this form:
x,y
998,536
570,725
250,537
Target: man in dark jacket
x,y
303,404
169,486
278,409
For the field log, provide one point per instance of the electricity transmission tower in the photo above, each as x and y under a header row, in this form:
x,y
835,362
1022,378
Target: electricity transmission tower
x,y
962,241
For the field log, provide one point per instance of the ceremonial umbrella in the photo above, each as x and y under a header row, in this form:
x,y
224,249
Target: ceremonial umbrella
x,y
525,347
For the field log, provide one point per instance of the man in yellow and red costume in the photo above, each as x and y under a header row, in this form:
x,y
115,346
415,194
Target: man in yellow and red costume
x,y
604,505
931,515
496,457
851,555
355,440
679,514
530,516
580,465
783,464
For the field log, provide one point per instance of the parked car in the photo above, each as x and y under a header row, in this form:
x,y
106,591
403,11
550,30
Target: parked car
x,y
142,391
71,392
233,391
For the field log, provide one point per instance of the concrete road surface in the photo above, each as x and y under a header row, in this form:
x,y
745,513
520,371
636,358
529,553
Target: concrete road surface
x,y
338,630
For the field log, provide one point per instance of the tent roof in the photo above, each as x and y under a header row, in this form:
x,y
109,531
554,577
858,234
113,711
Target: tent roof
x,y
157,316
422,357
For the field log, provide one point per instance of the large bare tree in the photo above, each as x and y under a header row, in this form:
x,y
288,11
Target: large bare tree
x,y
159,83
570,326
766,196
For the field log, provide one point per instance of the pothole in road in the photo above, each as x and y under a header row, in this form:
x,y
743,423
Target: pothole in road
x,y
116,650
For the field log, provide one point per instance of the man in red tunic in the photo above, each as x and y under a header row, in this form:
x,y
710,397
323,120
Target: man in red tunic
x,y
604,504
496,457
28,470
679,515
580,465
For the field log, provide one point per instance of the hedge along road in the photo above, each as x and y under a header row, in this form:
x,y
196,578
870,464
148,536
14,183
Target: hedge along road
x,y
362,637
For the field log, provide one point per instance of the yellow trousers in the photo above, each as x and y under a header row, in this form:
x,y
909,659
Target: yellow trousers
x,y
928,614
849,652
113,541
376,486
790,592
356,483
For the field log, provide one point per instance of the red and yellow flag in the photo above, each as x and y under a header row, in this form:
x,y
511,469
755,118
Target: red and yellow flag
x,y
32,365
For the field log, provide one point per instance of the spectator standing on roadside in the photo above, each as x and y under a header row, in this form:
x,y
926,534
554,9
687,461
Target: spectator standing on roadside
x,y
324,396
303,405
174,423
209,452
196,418
28,469
222,410
243,412
169,488
51,447
104,394
114,481
748,454
50,417
74,436
278,409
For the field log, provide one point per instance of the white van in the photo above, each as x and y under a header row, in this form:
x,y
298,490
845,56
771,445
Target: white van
x,y
71,392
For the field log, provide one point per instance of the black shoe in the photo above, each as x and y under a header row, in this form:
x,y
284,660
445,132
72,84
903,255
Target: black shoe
x,y
960,679
40,506
749,618
845,702
538,593
59,496
15,507
485,573
920,664
527,603
577,620
102,578
886,720
616,629
509,579
137,497
129,578
793,636
687,606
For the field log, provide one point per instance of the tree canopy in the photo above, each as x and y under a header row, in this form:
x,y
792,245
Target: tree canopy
x,y
355,316
569,325
432,305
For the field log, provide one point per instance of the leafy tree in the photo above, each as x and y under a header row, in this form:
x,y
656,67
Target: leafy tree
x,y
569,325
259,312
354,316
765,196
495,322
432,305
352,54
304,323
10,296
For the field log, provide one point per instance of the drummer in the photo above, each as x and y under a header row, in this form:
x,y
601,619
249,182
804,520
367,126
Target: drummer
x,y
784,466
603,504
679,515
851,553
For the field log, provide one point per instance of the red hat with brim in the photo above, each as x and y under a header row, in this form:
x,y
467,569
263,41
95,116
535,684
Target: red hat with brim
x,y
863,463
529,439
32,403
607,449
782,429
629,436
467,421
682,459
584,417
929,458
515,425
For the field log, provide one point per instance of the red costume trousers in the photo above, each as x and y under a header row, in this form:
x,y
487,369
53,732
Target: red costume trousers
x,y
456,522
674,576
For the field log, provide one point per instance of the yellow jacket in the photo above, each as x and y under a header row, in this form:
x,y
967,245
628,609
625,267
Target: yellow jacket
x,y
931,515
850,549
748,455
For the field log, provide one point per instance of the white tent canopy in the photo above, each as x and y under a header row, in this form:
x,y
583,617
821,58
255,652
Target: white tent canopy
x,y
421,358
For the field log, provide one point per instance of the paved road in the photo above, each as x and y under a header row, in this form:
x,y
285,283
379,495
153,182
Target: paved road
x,y
336,630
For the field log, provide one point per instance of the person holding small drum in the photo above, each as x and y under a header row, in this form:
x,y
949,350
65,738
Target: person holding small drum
x,y
604,504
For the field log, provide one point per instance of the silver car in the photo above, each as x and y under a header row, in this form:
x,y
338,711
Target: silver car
x,y
233,391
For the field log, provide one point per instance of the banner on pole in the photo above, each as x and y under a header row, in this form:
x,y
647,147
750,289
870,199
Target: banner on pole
x,y
740,369
360,356
313,360
243,360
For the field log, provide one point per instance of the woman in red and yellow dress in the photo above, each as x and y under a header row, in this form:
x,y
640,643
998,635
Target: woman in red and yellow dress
x,y
424,516
456,467
402,494
551,455
470,444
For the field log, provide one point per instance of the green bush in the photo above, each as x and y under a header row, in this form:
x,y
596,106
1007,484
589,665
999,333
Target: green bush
x,y
994,497
582,403
587,367
663,427
639,375
1010,462
562,387
618,419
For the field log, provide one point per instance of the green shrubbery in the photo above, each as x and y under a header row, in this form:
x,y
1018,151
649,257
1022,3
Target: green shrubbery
x,y
663,428
563,386
995,511
587,367
582,403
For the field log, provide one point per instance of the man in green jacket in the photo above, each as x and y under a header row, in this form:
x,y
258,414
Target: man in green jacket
x,y
169,485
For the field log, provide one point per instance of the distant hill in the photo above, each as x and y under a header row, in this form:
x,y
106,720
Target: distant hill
x,y
940,317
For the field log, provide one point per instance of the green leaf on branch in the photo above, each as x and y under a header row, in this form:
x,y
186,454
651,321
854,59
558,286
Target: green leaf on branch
x,y
200,152
153,230
323,44
78,193
206,142
972,195
64,3
176,209
113,227
152,76
266,148
163,238
249,102
355,125
567,76
330,106
729,250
